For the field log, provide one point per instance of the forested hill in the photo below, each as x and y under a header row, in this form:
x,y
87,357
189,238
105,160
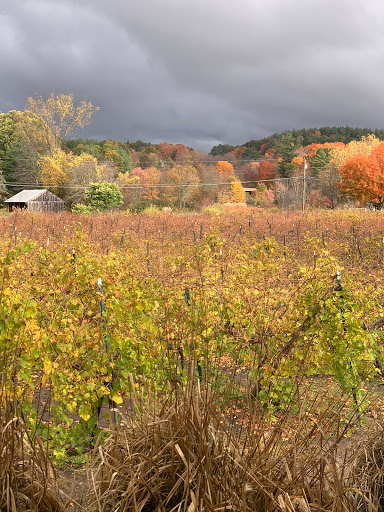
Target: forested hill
x,y
304,137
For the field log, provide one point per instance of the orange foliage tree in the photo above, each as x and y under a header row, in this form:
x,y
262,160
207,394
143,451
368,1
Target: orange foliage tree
x,y
147,181
312,149
225,168
363,177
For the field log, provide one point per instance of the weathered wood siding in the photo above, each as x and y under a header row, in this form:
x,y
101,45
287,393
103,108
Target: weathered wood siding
x,y
47,202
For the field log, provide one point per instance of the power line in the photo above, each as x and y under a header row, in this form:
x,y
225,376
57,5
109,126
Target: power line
x,y
193,161
163,185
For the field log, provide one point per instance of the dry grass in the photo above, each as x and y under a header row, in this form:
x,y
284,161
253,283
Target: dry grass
x,y
27,478
180,457
367,471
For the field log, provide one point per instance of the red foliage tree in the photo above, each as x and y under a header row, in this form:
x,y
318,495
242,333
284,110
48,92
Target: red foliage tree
x,y
181,151
267,171
251,175
166,150
238,152
311,149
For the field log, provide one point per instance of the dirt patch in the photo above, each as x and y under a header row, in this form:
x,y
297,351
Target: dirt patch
x,y
73,485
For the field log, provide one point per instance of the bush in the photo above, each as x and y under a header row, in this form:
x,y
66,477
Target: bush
x,y
153,210
104,196
214,209
81,208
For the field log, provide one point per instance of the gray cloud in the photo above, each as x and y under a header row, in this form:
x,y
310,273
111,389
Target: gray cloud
x,y
198,71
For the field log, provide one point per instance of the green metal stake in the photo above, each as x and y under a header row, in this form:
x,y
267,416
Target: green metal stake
x,y
102,311
188,297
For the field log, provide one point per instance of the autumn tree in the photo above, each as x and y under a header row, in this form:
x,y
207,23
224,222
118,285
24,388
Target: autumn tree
x,y
131,187
237,192
149,159
251,175
53,172
330,175
239,153
150,182
147,183
267,171
224,168
363,177
116,154
232,192
68,175
61,115
363,146
166,150
181,154
263,196
182,189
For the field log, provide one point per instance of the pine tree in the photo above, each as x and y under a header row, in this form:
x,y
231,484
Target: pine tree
x,y
286,168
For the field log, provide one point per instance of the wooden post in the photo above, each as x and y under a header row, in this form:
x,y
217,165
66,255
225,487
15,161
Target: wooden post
x,y
304,169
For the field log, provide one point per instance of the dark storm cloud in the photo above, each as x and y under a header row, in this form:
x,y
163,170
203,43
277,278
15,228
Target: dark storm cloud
x,y
198,71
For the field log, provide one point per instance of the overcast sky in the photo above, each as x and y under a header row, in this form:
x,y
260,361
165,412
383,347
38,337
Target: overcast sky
x,y
199,72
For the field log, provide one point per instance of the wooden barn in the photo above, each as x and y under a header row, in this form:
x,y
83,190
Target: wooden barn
x,y
40,200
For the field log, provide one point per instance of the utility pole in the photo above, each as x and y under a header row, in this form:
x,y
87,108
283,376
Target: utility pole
x,y
305,168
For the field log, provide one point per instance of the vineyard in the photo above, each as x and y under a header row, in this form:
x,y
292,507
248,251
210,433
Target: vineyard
x,y
198,362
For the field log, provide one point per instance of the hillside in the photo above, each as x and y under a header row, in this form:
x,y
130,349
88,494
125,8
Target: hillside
x,y
253,149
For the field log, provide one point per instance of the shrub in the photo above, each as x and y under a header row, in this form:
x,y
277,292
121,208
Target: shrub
x,y
104,196
153,210
81,208
214,209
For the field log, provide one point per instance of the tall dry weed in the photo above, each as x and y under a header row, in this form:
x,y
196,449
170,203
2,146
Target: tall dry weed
x,y
180,456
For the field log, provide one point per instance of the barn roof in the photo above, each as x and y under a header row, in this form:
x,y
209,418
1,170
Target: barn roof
x,y
26,195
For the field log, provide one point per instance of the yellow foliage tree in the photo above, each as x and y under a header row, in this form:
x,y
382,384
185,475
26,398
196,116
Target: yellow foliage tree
x,y
237,192
68,175
53,171
60,115
356,147
183,181
130,187
233,193
151,179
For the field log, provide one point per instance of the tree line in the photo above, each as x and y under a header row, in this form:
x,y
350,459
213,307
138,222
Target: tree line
x,y
36,150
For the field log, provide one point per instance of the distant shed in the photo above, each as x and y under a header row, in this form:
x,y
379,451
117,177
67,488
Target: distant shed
x,y
39,200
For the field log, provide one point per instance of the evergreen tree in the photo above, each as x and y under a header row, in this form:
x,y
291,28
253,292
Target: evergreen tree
x,y
320,161
286,168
